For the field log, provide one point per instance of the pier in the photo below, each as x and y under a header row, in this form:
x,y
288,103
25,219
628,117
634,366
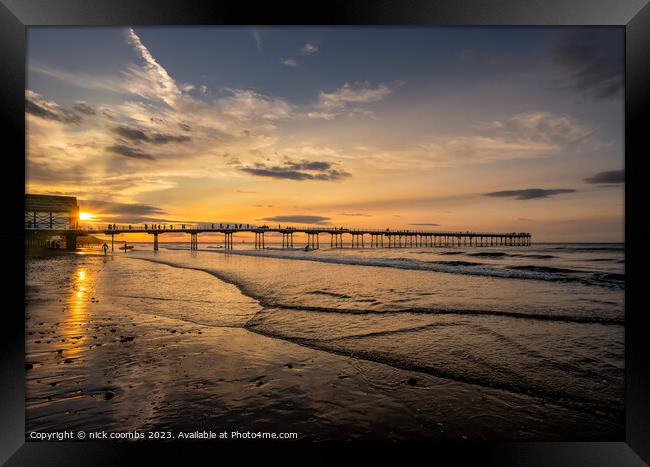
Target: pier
x,y
339,237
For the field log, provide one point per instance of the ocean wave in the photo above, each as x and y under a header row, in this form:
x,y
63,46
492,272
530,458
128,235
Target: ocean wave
x,y
455,263
533,256
266,302
489,254
514,384
583,248
328,293
538,316
546,269
525,272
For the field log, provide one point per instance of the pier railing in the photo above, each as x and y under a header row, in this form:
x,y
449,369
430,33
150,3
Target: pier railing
x,y
379,238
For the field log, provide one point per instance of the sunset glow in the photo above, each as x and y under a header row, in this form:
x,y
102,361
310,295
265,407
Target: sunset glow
x,y
424,128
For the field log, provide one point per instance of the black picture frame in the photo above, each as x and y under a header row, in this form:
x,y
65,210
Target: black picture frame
x,y
634,15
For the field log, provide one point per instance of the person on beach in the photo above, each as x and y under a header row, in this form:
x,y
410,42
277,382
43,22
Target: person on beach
x,y
105,248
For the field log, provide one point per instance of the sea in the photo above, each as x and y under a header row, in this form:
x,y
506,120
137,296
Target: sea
x,y
545,321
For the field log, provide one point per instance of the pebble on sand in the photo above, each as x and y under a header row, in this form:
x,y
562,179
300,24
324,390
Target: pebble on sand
x,y
109,395
412,381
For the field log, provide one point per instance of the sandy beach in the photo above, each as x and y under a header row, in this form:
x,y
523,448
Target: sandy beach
x,y
99,359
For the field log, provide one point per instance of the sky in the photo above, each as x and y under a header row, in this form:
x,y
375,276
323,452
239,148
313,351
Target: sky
x,y
496,129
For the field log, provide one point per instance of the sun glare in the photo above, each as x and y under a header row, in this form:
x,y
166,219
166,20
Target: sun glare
x,y
84,216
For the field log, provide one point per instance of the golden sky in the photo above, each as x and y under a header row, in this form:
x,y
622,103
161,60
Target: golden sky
x,y
485,129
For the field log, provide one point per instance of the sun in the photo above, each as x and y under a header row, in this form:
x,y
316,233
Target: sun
x,y
84,216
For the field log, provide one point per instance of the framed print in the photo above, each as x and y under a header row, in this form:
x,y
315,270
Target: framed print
x,y
363,223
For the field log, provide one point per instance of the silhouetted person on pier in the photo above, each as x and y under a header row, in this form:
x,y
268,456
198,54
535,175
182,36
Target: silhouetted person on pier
x,y
129,226
212,226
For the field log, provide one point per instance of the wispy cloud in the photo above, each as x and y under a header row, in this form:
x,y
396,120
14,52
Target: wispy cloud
x,y
108,207
530,193
48,110
164,86
257,36
609,177
356,93
300,170
289,62
136,135
524,135
84,108
246,104
310,49
127,151
593,61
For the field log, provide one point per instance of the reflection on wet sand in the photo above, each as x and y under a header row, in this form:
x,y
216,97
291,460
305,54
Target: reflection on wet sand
x,y
126,344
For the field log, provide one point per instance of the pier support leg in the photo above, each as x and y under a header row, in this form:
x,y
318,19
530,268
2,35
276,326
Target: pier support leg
x,y
71,242
155,242
112,242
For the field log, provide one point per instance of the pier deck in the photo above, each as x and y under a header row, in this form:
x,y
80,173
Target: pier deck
x,y
378,238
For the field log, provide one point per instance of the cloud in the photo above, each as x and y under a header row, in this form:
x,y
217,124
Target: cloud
x,y
289,62
301,170
608,177
136,135
129,152
310,49
108,114
593,60
156,77
107,207
48,110
258,39
530,193
298,219
427,224
541,127
322,115
357,93
354,214
84,108
244,104
132,134
524,135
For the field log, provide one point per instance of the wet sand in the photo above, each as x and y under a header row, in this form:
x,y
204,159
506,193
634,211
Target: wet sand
x,y
100,361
